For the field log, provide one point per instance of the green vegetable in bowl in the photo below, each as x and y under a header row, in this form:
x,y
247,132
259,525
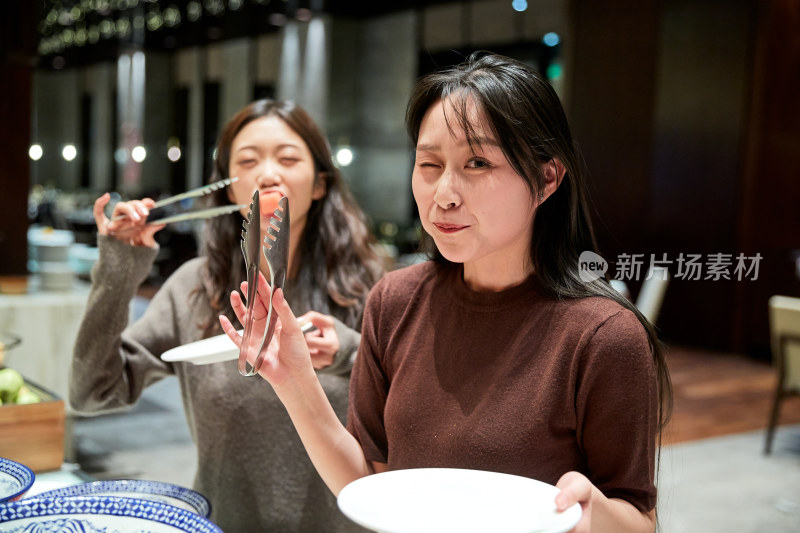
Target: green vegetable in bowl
x,y
26,396
11,382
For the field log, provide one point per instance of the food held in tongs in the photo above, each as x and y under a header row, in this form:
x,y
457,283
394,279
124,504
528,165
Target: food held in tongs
x,y
259,323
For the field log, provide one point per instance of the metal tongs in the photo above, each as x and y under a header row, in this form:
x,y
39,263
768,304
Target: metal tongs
x,y
157,217
258,331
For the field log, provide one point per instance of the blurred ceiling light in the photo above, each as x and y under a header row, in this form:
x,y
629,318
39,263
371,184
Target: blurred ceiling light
x,y
173,153
154,21
519,5
172,16
138,153
64,18
120,155
68,36
106,28
35,152
194,11
215,7
123,27
551,39
81,36
344,156
69,152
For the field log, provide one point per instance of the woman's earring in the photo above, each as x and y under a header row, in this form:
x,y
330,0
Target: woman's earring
x,y
541,196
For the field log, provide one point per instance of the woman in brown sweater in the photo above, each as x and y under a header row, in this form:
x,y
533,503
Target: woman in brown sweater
x,y
495,355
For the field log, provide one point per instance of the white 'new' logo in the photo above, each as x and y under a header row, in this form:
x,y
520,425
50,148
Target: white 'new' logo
x,y
591,266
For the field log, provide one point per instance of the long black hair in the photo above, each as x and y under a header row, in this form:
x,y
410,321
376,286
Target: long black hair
x,y
525,115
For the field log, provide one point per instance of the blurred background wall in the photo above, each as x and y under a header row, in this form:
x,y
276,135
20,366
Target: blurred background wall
x,y
686,112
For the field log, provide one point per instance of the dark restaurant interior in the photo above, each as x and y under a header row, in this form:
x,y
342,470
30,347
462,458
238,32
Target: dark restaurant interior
x,y
686,113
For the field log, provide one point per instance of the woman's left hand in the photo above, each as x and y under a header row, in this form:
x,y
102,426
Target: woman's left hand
x,y
323,342
601,514
576,488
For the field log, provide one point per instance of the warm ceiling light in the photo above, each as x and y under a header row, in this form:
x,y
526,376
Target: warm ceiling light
x,y
69,152
138,154
35,152
344,156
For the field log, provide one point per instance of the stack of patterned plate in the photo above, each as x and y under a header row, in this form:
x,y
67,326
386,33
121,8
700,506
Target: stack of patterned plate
x,y
15,480
122,506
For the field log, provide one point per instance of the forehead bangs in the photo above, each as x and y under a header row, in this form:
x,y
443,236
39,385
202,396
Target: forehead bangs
x,y
464,112
478,106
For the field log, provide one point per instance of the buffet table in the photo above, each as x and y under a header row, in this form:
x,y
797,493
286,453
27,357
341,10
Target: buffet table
x,y
47,322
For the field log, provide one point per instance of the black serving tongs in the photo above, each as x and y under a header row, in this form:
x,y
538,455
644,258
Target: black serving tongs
x,y
157,216
258,331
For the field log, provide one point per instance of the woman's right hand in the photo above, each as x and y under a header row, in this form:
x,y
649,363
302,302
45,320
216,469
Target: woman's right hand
x,y
287,353
133,227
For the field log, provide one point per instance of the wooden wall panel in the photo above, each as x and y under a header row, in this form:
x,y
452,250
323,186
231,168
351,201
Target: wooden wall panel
x,y
770,192
612,90
18,41
688,116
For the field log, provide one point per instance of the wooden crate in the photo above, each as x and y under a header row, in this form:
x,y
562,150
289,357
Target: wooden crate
x,y
33,434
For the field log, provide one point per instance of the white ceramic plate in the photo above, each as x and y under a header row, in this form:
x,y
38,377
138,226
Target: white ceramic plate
x,y
100,513
213,349
137,488
15,479
204,352
444,500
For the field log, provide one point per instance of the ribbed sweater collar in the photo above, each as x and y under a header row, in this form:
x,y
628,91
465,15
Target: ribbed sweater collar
x,y
523,294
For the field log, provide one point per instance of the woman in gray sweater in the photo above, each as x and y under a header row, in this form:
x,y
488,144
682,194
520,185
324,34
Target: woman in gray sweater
x,y
251,464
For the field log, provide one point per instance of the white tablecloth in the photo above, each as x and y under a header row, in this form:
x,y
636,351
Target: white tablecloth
x,y
47,322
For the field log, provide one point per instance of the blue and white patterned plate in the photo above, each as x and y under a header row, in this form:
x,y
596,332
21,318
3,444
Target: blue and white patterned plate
x,y
96,514
135,488
15,479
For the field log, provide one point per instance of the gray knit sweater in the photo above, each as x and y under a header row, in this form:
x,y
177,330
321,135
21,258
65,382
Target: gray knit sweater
x,y
251,464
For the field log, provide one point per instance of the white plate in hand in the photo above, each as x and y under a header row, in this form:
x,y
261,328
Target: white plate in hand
x,y
445,500
204,352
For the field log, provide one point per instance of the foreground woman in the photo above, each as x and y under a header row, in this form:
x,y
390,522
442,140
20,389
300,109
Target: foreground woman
x,y
495,355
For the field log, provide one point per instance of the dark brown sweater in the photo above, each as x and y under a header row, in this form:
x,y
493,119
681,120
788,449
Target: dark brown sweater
x,y
512,382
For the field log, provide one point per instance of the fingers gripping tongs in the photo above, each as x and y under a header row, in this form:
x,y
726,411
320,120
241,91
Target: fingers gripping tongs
x,y
260,322
158,215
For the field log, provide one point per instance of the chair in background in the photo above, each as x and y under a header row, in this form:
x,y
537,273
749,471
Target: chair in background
x,y
651,294
621,287
784,325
